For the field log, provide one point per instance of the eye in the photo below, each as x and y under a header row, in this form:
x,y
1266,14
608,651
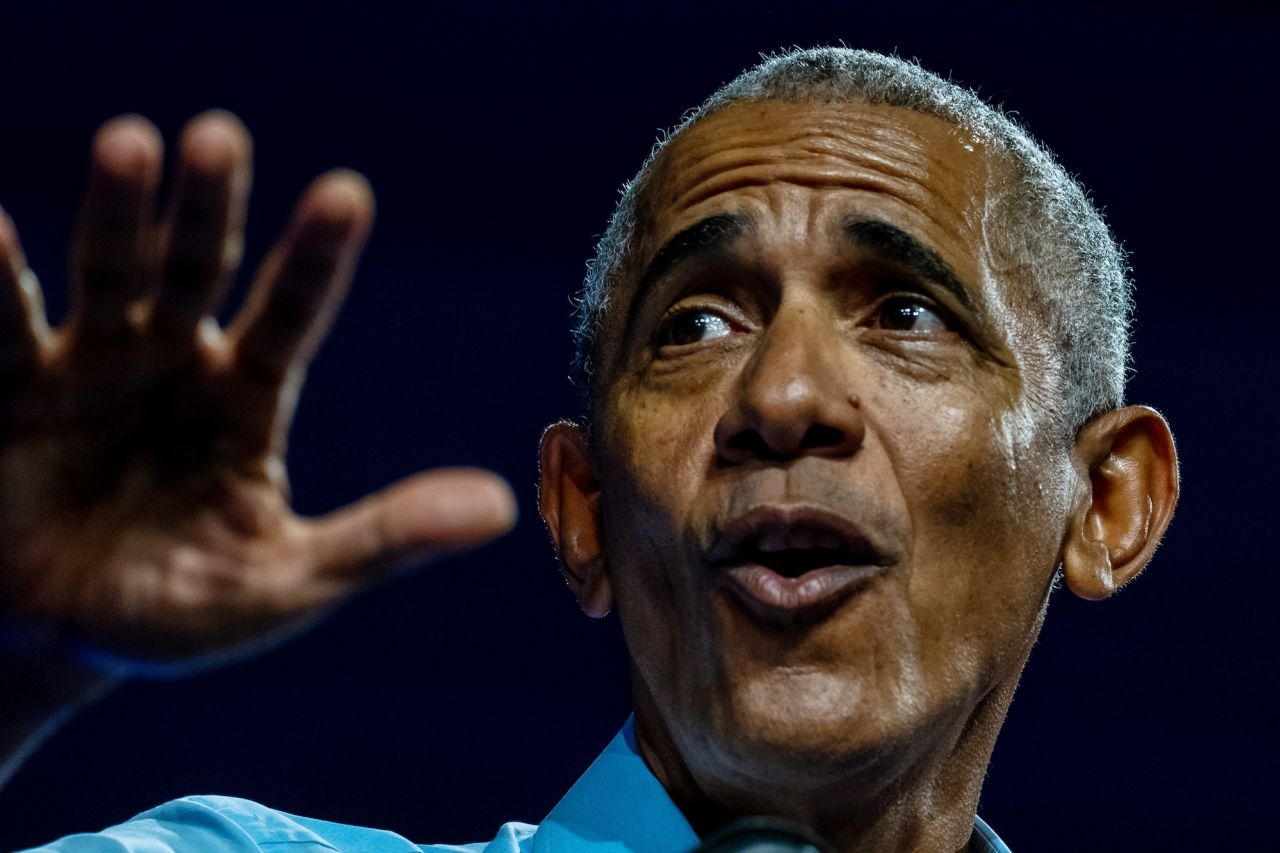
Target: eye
x,y
692,327
903,314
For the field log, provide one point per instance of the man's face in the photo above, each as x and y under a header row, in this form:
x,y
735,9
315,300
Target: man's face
x,y
832,503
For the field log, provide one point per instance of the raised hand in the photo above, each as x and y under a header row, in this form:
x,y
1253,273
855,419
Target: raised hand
x,y
144,508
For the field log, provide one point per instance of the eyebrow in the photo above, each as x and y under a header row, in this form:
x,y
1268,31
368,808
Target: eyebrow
x,y
900,249
704,237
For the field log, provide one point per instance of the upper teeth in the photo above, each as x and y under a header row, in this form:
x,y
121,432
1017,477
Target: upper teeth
x,y
773,541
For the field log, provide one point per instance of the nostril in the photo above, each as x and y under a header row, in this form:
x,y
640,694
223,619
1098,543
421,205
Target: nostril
x,y
749,444
752,444
821,435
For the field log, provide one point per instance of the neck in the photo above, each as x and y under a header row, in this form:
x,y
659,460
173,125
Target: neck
x,y
920,798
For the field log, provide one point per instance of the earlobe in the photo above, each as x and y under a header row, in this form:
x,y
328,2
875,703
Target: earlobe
x,y
1129,486
569,500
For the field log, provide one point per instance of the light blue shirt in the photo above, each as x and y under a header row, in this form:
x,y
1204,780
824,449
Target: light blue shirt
x,y
618,806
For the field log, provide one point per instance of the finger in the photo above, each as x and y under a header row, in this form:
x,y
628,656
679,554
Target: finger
x,y
302,283
425,515
22,320
203,232
112,260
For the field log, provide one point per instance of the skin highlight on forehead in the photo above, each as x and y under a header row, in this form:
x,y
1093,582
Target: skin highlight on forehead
x,y
891,150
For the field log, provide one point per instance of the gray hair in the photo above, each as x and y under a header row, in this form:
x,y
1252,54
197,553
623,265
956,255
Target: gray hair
x,y
1045,222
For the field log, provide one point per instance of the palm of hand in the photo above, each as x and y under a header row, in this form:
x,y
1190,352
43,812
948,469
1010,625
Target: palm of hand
x,y
143,503
137,519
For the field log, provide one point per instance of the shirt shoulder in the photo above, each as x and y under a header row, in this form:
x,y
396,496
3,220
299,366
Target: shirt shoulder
x,y
212,824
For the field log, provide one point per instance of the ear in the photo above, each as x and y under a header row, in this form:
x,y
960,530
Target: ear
x,y
569,500
1126,500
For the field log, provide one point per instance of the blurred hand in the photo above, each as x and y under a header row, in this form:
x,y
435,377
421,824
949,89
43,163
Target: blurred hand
x,y
144,508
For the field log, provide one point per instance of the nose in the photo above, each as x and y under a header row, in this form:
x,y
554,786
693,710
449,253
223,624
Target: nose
x,y
795,397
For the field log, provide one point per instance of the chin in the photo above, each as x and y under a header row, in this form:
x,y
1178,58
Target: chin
x,y
809,727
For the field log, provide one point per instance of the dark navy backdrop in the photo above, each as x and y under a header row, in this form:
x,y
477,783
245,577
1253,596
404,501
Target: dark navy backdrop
x,y
473,693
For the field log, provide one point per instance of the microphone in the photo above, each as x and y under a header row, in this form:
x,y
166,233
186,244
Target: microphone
x,y
764,835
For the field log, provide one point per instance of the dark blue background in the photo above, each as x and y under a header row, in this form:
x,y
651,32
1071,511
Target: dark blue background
x,y
495,136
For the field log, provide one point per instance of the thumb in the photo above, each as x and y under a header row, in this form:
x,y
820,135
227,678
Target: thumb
x,y
428,514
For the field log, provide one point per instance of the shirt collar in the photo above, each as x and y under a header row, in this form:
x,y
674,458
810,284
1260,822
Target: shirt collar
x,y
618,806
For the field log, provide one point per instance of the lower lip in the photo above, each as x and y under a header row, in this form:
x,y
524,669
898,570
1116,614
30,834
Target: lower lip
x,y
814,594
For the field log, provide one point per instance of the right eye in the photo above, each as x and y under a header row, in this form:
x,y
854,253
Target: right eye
x,y
692,327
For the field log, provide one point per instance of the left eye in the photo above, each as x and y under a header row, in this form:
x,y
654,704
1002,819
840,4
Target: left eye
x,y
908,315
692,327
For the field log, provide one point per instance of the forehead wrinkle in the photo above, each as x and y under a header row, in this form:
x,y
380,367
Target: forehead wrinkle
x,y
896,154
807,165
863,146
869,138
747,178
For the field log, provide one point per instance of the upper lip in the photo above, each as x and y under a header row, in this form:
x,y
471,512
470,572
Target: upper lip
x,y
795,526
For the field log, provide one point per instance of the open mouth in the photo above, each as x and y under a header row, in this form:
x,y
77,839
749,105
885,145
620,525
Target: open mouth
x,y
787,562
792,541
798,561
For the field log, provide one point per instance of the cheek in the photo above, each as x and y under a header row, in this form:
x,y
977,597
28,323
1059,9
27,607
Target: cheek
x,y
658,453
656,460
986,532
